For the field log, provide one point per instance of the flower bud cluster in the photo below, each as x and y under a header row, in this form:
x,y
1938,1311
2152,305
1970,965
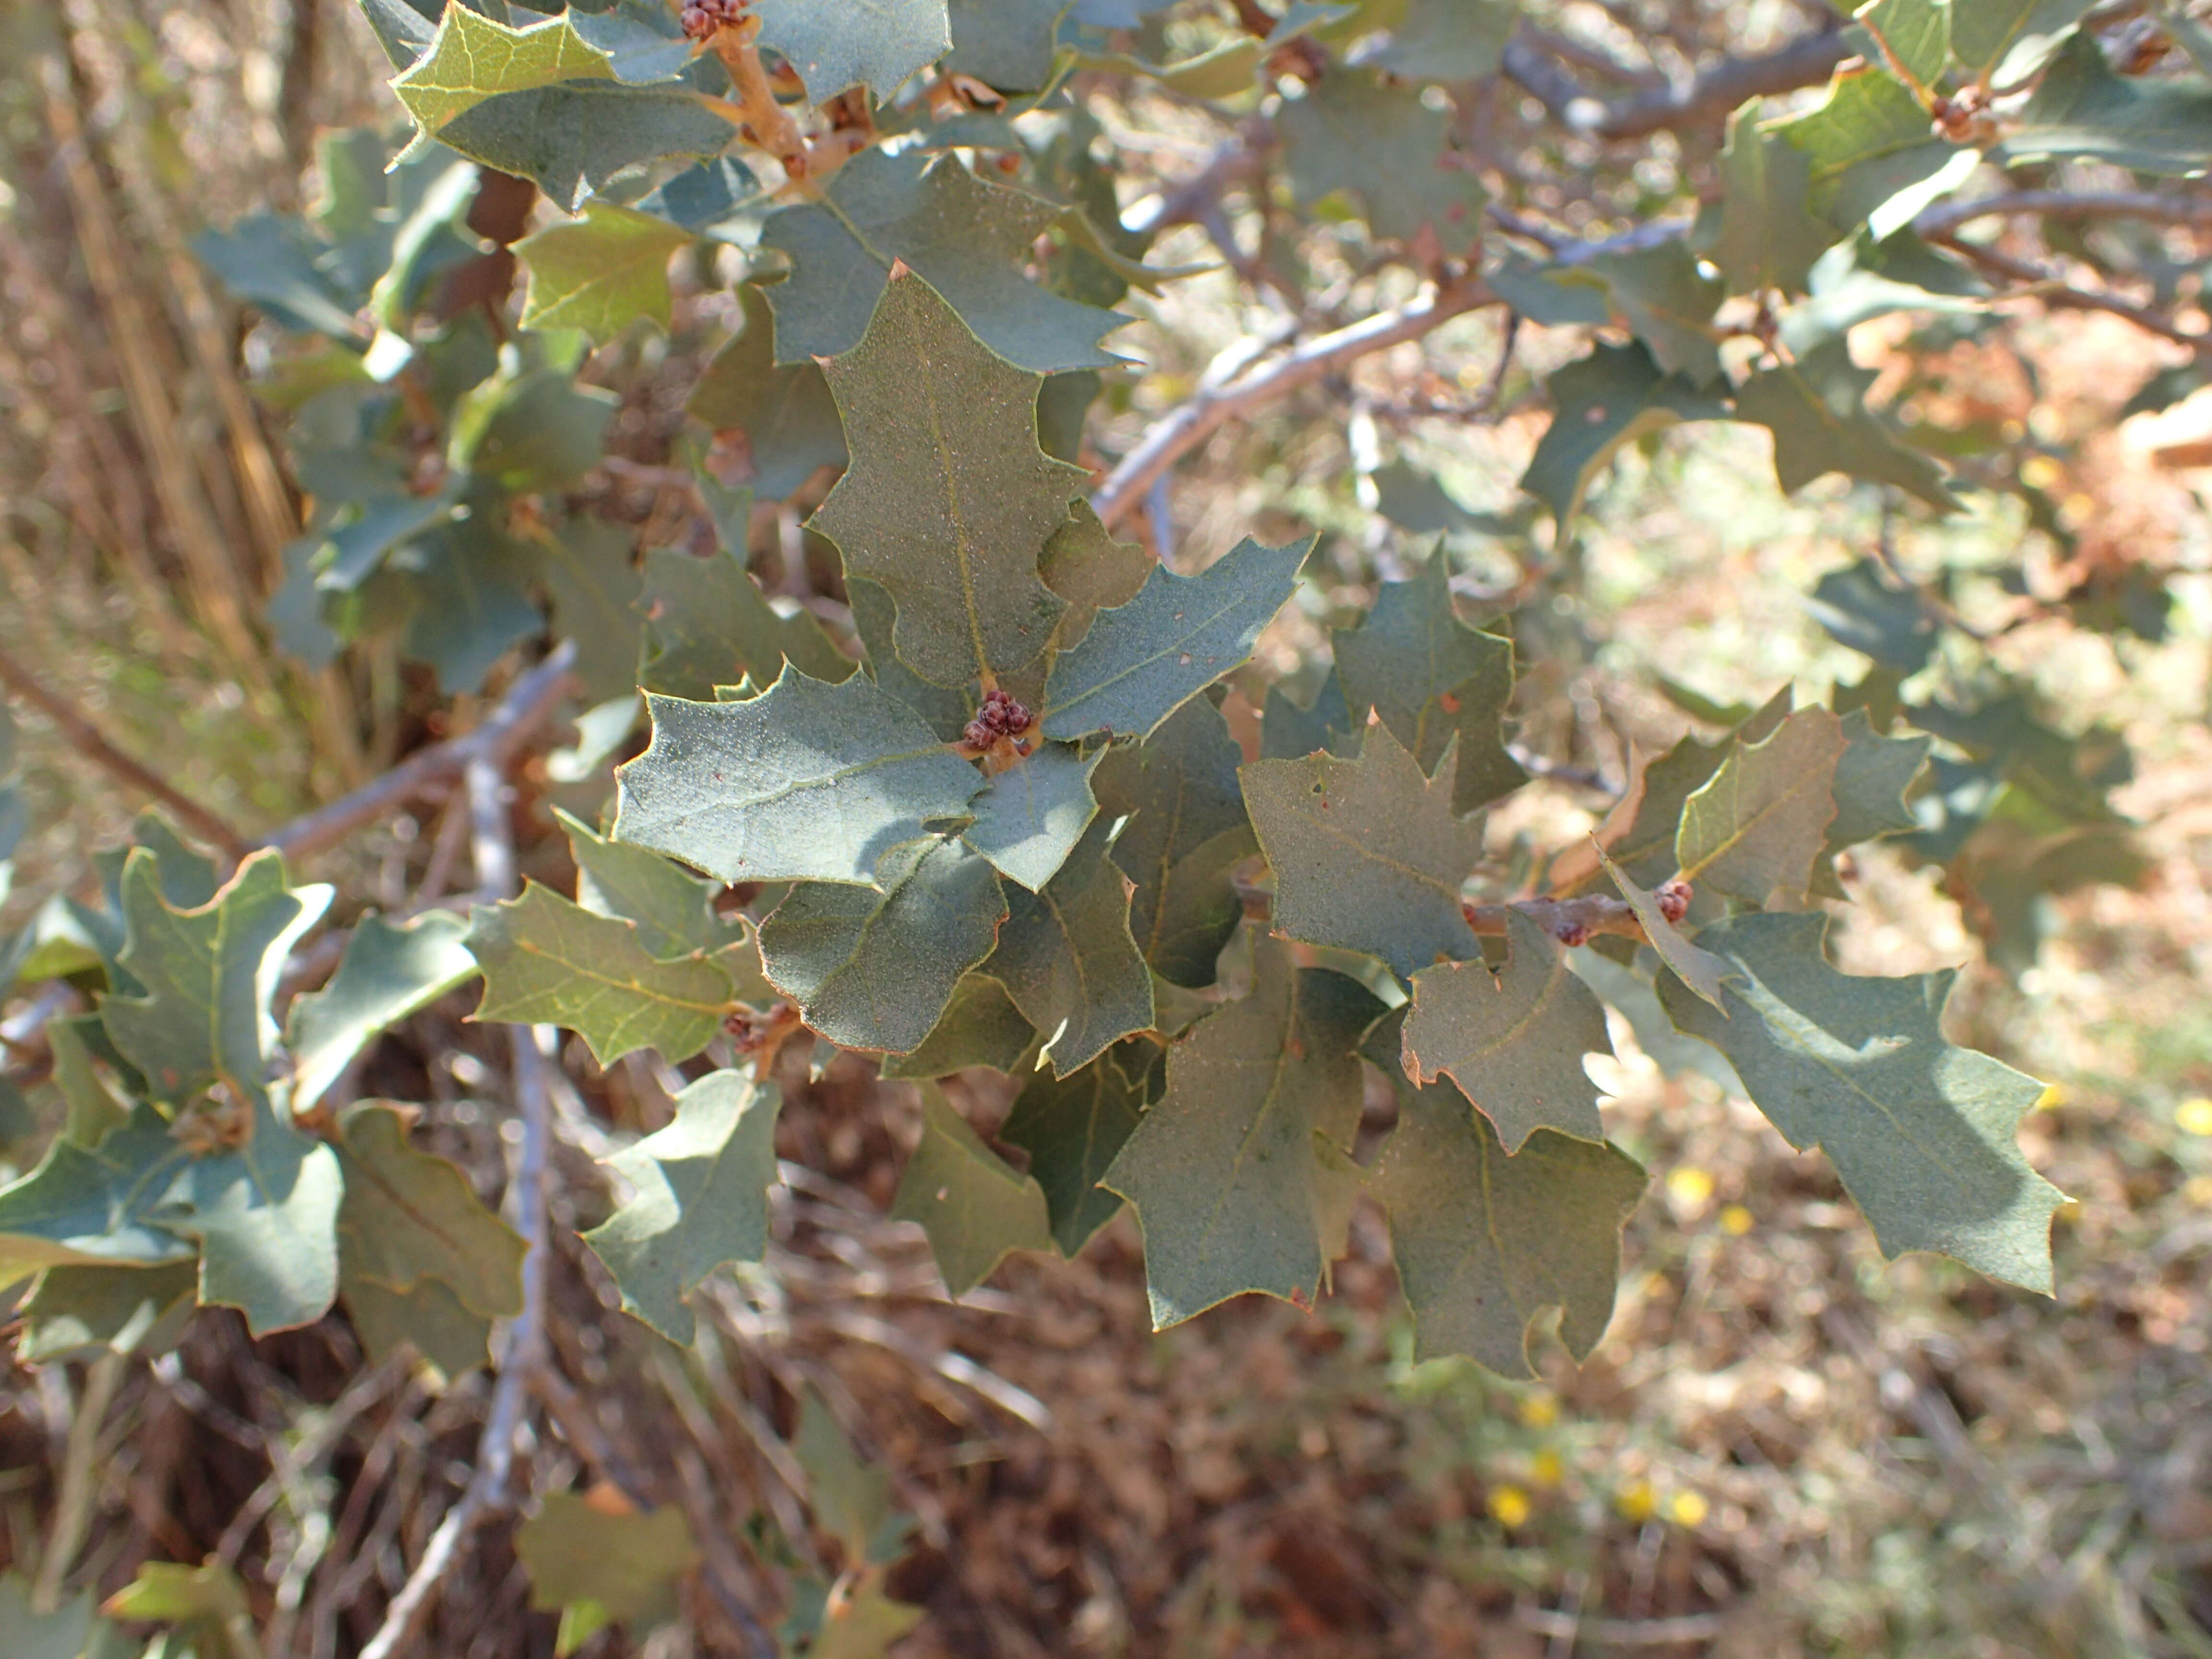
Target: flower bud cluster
x,y
1001,716
701,18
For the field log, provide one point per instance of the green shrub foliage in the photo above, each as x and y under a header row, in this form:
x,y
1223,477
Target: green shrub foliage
x,y
1020,796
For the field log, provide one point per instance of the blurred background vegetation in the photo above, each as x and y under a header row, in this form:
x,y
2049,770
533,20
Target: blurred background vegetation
x,y
1786,1447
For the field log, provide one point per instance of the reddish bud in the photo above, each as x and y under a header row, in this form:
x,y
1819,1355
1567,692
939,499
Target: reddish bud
x,y
701,18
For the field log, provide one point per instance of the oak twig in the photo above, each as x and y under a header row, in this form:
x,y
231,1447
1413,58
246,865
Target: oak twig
x,y
1193,421
1243,157
528,703
526,1349
87,740
1702,100
1570,921
2054,289
2163,207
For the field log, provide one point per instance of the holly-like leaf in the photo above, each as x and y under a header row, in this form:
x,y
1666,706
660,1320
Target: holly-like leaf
x,y
2080,110
548,961
1768,238
1869,139
1428,675
388,971
876,970
1290,729
980,1026
1757,826
949,501
864,1624
1029,817
1862,279
1816,408
473,56
78,1312
269,261
206,1605
1513,1040
707,623
673,909
430,1320
29,1633
1549,294
1084,565
1379,141
1870,782
1240,1172
573,140
1447,40
1486,1241
785,410
622,1564
1701,970
968,239
1914,33
1604,401
1668,304
1138,663
1072,1128
409,1216
1923,1134
1006,44
946,709
700,1199
1408,647
539,431
208,974
1187,831
1368,853
471,583
1640,832
702,198
1065,957
807,781
600,273
265,1218
96,1207
595,586
1861,608
565,100
877,44
976,1210
1222,70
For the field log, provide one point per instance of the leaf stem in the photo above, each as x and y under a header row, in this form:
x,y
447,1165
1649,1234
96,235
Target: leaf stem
x,y
1570,921
761,119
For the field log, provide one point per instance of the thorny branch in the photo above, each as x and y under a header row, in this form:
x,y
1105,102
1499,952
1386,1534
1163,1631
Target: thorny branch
x,y
528,704
1701,100
1192,422
2158,206
526,1349
2053,289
